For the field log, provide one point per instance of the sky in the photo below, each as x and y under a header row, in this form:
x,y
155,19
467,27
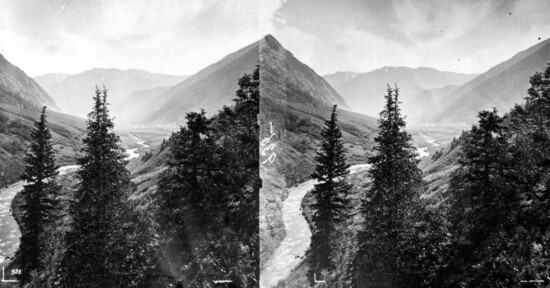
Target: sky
x,y
363,35
177,37
181,37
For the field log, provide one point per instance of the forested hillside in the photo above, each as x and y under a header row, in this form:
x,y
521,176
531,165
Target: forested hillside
x,y
486,226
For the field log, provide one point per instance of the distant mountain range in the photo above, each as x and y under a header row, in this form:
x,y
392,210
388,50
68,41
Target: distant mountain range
x,y
432,97
364,92
73,93
501,87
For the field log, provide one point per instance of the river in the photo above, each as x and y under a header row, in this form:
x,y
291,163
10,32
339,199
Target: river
x,y
293,248
9,230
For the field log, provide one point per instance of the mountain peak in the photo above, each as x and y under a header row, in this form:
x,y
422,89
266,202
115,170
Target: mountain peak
x,y
272,43
303,84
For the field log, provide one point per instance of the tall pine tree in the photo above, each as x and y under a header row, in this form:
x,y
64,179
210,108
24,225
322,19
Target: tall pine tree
x,y
39,196
331,205
237,135
483,200
400,235
185,193
111,240
531,128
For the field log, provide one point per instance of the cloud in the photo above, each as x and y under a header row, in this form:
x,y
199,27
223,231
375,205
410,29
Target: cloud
x,y
170,36
268,15
181,37
463,36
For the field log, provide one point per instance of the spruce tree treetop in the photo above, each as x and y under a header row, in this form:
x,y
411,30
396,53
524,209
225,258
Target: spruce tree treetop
x,y
395,163
102,164
40,161
331,159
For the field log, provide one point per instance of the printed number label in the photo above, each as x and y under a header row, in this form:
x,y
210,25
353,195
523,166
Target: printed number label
x,y
16,272
268,146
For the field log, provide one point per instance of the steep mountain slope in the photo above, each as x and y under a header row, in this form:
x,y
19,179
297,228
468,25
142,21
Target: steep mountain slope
x,y
16,124
21,100
291,80
364,92
295,102
209,89
501,87
72,92
16,88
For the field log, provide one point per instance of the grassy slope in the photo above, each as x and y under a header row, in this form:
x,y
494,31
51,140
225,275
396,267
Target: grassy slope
x,y
437,172
66,135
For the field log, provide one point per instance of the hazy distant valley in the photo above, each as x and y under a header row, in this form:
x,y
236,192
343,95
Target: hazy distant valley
x,y
438,98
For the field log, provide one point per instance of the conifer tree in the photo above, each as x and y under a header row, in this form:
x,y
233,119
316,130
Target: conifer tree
x,y
39,196
393,242
499,196
331,205
184,198
237,133
247,103
485,203
531,134
111,241
206,197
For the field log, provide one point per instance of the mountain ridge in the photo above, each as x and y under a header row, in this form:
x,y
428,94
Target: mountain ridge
x,y
207,89
72,91
364,91
17,88
285,67
501,87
